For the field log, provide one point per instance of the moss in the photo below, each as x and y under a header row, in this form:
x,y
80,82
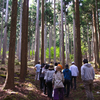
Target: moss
x,y
2,75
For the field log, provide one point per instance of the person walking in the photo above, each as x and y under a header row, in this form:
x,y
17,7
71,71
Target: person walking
x,y
74,70
45,69
58,79
49,76
88,75
41,77
37,67
67,77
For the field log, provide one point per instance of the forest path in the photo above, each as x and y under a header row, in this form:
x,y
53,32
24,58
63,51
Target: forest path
x,y
30,90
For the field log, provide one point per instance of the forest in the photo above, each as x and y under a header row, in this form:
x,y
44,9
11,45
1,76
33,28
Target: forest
x,y
46,31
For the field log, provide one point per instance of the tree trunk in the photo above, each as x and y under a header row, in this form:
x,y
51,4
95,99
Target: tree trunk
x,y
45,42
9,83
42,33
60,39
50,34
19,56
66,41
5,35
63,58
36,34
95,39
1,30
74,35
54,34
89,46
78,40
24,42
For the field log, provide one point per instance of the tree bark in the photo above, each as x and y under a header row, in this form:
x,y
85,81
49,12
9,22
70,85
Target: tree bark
x,y
5,35
1,30
54,34
63,57
37,34
78,40
42,33
24,42
66,41
9,83
95,38
19,55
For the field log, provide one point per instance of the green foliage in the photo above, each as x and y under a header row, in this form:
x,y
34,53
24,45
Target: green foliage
x,y
71,56
52,52
31,52
84,48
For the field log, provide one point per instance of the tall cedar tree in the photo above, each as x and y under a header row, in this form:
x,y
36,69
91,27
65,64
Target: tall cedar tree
x,y
63,57
78,40
24,43
42,33
9,82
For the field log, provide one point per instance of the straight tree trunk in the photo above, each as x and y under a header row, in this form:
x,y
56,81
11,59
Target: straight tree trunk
x,y
60,39
9,82
37,34
54,34
88,41
78,40
66,41
19,55
95,38
42,33
1,30
63,57
24,42
45,42
74,35
50,34
5,35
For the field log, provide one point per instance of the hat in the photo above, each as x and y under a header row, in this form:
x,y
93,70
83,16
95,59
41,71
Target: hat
x,y
51,66
85,61
73,62
58,68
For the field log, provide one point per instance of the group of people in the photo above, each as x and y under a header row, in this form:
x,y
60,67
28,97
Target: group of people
x,y
54,79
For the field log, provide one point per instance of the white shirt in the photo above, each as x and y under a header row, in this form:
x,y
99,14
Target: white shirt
x,y
38,67
74,70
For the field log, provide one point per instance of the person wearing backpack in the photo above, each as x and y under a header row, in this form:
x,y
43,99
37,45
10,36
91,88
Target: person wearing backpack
x,y
58,79
67,77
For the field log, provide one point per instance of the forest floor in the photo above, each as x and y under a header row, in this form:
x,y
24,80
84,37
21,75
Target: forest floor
x,y
30,90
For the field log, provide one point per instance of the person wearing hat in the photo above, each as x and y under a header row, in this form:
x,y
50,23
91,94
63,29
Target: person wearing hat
x,y
67,77
48,77
74,70
58,79
88,75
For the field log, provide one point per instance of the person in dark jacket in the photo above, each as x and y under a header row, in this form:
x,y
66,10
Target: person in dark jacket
x,y
41,77
67,77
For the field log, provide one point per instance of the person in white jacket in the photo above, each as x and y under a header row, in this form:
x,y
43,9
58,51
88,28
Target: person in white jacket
x,y
88,75
74,70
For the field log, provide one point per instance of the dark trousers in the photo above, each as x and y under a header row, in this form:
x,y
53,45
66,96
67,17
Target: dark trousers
x,y
67,82
45,86
41,83
49,89
58,94
73,77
